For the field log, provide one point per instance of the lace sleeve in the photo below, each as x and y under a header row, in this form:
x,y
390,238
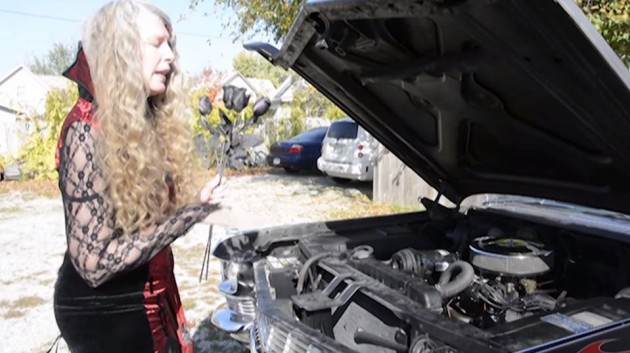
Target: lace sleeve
x,y
98,252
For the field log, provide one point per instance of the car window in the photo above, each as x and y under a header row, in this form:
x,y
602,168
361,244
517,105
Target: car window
x,y
313,134
343,130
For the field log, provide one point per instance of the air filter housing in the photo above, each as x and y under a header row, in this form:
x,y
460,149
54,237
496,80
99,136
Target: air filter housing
x,y
510,256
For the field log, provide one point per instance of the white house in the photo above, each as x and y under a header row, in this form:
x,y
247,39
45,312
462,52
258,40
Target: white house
x,y
22,94
9,132
284,93
255,87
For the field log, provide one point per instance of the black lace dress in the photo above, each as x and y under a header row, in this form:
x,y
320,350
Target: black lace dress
x,y
115,292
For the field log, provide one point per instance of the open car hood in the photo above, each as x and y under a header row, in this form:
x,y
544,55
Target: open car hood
x,y
507,96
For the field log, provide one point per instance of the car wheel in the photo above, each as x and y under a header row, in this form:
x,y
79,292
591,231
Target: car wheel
x,y
290,170
340,180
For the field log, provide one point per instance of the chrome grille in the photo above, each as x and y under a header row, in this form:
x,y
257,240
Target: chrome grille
x,y
243,306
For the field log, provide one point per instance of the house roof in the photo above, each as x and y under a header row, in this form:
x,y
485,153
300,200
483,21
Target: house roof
x,y
48,81
260,86
230,77
7,109
234,75
11,73
54,82
285,91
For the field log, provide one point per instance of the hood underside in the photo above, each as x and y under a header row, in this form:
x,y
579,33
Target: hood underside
x,y
506,96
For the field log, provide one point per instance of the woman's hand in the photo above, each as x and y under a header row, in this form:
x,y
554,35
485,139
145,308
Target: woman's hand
x,y
214,191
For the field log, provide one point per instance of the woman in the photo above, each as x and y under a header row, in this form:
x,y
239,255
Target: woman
x,y
124,161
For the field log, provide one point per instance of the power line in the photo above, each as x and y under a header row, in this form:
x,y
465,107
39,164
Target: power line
x,y
39,16
64,19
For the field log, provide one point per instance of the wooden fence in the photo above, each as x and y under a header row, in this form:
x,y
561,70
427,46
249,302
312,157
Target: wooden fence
x,y
394,183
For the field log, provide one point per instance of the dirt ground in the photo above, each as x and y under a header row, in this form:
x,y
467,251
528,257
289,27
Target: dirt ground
x,y
33,242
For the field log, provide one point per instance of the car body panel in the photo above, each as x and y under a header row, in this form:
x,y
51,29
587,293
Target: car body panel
x,y
310,141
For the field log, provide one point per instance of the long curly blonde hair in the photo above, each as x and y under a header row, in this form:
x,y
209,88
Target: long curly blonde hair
x,y
142,140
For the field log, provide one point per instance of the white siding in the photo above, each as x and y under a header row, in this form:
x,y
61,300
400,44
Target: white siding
x,y
23,92
9,142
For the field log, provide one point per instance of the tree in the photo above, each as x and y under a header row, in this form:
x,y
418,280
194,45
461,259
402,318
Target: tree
x,y
612,20
37,157
207,84
270,16
307,101
253,65
59,58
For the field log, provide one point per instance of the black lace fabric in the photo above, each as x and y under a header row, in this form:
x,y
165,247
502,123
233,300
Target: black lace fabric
x,y
98,251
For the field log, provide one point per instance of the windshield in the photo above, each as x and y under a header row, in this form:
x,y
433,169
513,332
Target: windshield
x,y
558,212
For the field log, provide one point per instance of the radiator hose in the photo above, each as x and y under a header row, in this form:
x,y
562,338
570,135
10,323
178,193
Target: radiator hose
x,y
449,286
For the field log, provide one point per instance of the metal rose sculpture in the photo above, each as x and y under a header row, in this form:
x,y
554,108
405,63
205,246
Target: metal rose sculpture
x,y
231,144
229,141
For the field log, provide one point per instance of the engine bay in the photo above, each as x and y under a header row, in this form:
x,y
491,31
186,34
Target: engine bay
x,y
481,282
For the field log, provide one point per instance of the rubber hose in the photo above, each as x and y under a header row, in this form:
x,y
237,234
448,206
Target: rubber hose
x,y
307,264
451,287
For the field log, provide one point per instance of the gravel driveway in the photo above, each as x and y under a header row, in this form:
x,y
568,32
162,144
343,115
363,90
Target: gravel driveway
x,y
33,242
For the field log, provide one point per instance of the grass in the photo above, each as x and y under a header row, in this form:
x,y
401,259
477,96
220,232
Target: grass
x,y
31,188
189,303
28,302
191,251
186,286
203,177
12,209
190,258
46,282
18,308
13,314
366,208
29,277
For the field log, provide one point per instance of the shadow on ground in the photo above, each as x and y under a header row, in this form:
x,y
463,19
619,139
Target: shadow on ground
x,y
209,339
316,181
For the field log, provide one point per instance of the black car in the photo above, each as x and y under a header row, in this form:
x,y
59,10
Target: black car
x,y
298,153
518,112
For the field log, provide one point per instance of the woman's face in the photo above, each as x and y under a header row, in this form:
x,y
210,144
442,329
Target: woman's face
x,y
156,53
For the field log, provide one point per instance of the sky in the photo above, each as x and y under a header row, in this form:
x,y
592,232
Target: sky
x,y
29,28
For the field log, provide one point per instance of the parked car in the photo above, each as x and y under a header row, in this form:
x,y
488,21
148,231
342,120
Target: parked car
x,y
348,152
518,112
12,172
299,152
9,171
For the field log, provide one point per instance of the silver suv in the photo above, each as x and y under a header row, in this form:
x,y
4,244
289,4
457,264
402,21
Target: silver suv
x,y
347,152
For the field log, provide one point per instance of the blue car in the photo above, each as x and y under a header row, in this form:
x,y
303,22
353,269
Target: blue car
x,y
299,152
